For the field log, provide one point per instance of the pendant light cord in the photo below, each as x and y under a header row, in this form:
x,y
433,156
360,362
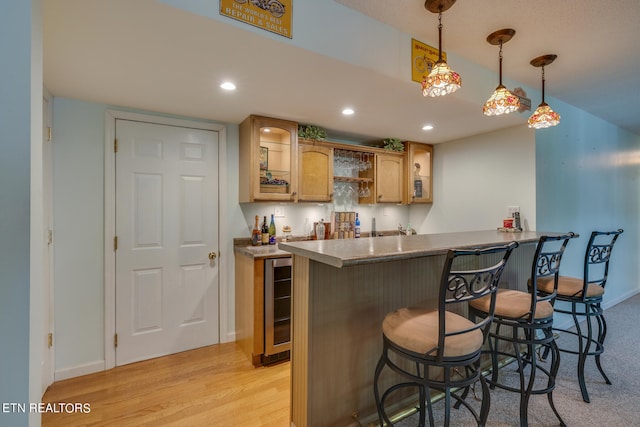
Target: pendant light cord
x,y
543,84
440,35
500,61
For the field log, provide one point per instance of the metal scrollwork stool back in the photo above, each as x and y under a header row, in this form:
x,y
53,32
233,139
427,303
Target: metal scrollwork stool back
x,y
431,349
584,296
523,324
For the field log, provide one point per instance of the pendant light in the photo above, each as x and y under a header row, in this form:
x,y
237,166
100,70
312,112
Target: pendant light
x,y
501,101
544,116
442,80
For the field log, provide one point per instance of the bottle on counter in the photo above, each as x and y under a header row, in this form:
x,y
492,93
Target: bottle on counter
x,y
357,227
265,232
272,231
307,229
256,234
320,230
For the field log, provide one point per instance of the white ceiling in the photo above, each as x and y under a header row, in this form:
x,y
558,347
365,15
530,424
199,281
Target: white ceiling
x,y
147,55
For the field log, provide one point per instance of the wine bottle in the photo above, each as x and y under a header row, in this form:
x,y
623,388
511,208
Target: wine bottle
x,y
265,232
256,235
357,227
272,232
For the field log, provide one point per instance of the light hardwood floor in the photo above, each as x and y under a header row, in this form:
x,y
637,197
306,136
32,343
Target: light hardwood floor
x,y
210,386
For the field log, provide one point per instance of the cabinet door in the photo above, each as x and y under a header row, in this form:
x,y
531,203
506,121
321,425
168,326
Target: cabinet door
x,y
268,159
389,178
315,173
419,172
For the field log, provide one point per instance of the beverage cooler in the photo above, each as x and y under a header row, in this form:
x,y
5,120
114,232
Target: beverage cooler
x,y
277,306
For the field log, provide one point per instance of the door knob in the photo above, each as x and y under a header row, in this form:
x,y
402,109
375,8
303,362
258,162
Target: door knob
x,y
212,255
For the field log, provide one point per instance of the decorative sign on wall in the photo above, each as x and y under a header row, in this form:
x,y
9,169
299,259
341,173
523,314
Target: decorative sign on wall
x,y
423,57
270,15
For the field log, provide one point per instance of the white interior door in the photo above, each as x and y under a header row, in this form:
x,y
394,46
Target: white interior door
x,y
167,230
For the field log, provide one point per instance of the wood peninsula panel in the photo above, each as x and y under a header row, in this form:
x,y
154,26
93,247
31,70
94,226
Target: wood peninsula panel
x,y
249,306
300,342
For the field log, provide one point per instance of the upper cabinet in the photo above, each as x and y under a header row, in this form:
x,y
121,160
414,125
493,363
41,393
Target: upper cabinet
x,y
315,172
389,180
275,166
268,159
418,172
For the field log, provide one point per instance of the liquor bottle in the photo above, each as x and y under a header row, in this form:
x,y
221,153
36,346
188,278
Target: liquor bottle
x,y
256,236
357,227
272,232
265,232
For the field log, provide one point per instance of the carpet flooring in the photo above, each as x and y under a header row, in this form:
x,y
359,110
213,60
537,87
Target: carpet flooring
x,y
615,405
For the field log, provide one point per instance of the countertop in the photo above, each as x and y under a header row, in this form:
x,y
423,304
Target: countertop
x,y
342,253
256,252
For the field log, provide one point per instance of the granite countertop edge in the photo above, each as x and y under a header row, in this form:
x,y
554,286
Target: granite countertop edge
x,y
344,253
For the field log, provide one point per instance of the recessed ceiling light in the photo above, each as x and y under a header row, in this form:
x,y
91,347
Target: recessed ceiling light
x,y
348,111
427,127
228,86
266,130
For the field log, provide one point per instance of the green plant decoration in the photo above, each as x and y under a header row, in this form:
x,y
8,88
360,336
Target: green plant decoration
x,y
311,132
393,144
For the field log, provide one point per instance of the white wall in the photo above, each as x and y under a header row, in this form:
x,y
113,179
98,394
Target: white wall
x,y
587,179
476,178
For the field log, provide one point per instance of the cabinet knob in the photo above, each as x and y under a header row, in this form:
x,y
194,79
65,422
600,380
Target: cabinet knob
x,y
212,255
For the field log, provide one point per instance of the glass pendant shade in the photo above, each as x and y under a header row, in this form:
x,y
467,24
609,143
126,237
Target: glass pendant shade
x,y
502,101
441,81
543,117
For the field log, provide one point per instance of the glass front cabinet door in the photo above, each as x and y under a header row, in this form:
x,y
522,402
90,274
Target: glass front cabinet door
x,y
268,159
418,172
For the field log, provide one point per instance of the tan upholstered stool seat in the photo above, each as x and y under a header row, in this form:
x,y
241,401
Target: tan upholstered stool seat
x,y
570,287
416,329
513,304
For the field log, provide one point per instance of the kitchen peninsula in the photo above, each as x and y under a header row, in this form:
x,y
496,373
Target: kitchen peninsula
x,y
342,291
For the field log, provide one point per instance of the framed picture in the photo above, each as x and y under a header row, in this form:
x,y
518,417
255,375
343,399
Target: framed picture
x,y
264,158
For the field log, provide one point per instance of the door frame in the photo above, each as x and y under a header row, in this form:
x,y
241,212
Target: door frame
x,y
110,214
48,318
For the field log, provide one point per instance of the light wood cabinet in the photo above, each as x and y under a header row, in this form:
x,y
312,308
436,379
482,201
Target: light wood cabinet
x,y
259,307
277,167
389,179
249,306
315,172
419,171
268,159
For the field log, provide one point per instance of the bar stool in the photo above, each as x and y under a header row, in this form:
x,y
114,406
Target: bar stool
x,y
523,324
437,349
585,296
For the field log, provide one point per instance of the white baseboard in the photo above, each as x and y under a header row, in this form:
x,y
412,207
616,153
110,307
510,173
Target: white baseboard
x,y
77,371
230,337
621,298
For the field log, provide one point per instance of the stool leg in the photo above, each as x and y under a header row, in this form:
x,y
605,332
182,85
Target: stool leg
x,y
555,366
382,416
582,349
486,402
602,333
525,393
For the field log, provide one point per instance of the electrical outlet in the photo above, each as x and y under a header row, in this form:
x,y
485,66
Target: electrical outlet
x,y
512,209
278,211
